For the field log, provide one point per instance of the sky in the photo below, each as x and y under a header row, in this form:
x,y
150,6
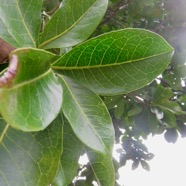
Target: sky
x,y
168,167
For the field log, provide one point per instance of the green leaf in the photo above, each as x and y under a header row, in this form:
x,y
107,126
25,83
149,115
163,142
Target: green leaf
x,y
169,119
180,71
32,99
153,122
119,110
162,99
146,122
112,101
134,111
72,149
29,158
100,163
103,168
73,23
20,22
117,62
87,116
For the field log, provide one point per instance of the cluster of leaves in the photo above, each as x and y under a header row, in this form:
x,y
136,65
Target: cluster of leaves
x,y
160,107
58,89
135,151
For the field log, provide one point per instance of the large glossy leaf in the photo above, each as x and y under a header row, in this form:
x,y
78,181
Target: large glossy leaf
x,y
29,159
20,22
73,23
102,167
32,99
117,62
72,149
87,115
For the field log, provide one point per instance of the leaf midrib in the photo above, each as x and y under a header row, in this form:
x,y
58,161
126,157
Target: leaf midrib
x,y
67,30
105,148
107,65
31,80
3,133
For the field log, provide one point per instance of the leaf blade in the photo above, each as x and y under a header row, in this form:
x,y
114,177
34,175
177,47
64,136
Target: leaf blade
x,y
162,98
72,149
33,92
117,62
29,158
81,15
87,116
20,22
102,166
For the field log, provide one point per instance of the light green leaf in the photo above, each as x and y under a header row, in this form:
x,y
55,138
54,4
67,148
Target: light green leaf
x,y
117,62
20,22
29,159
32,99
73,23
162,99
72,149
87,116
103,168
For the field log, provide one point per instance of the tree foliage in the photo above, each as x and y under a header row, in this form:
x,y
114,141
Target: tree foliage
x,y
81,76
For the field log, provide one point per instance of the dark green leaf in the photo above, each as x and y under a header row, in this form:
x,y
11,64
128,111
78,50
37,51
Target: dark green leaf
x,y
20,22
172,80
146,122
32,99
50,5
134,111
112,101
180,71
73,23
87,115
119,110
162,99
117,62
153,122
169,119
29,159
